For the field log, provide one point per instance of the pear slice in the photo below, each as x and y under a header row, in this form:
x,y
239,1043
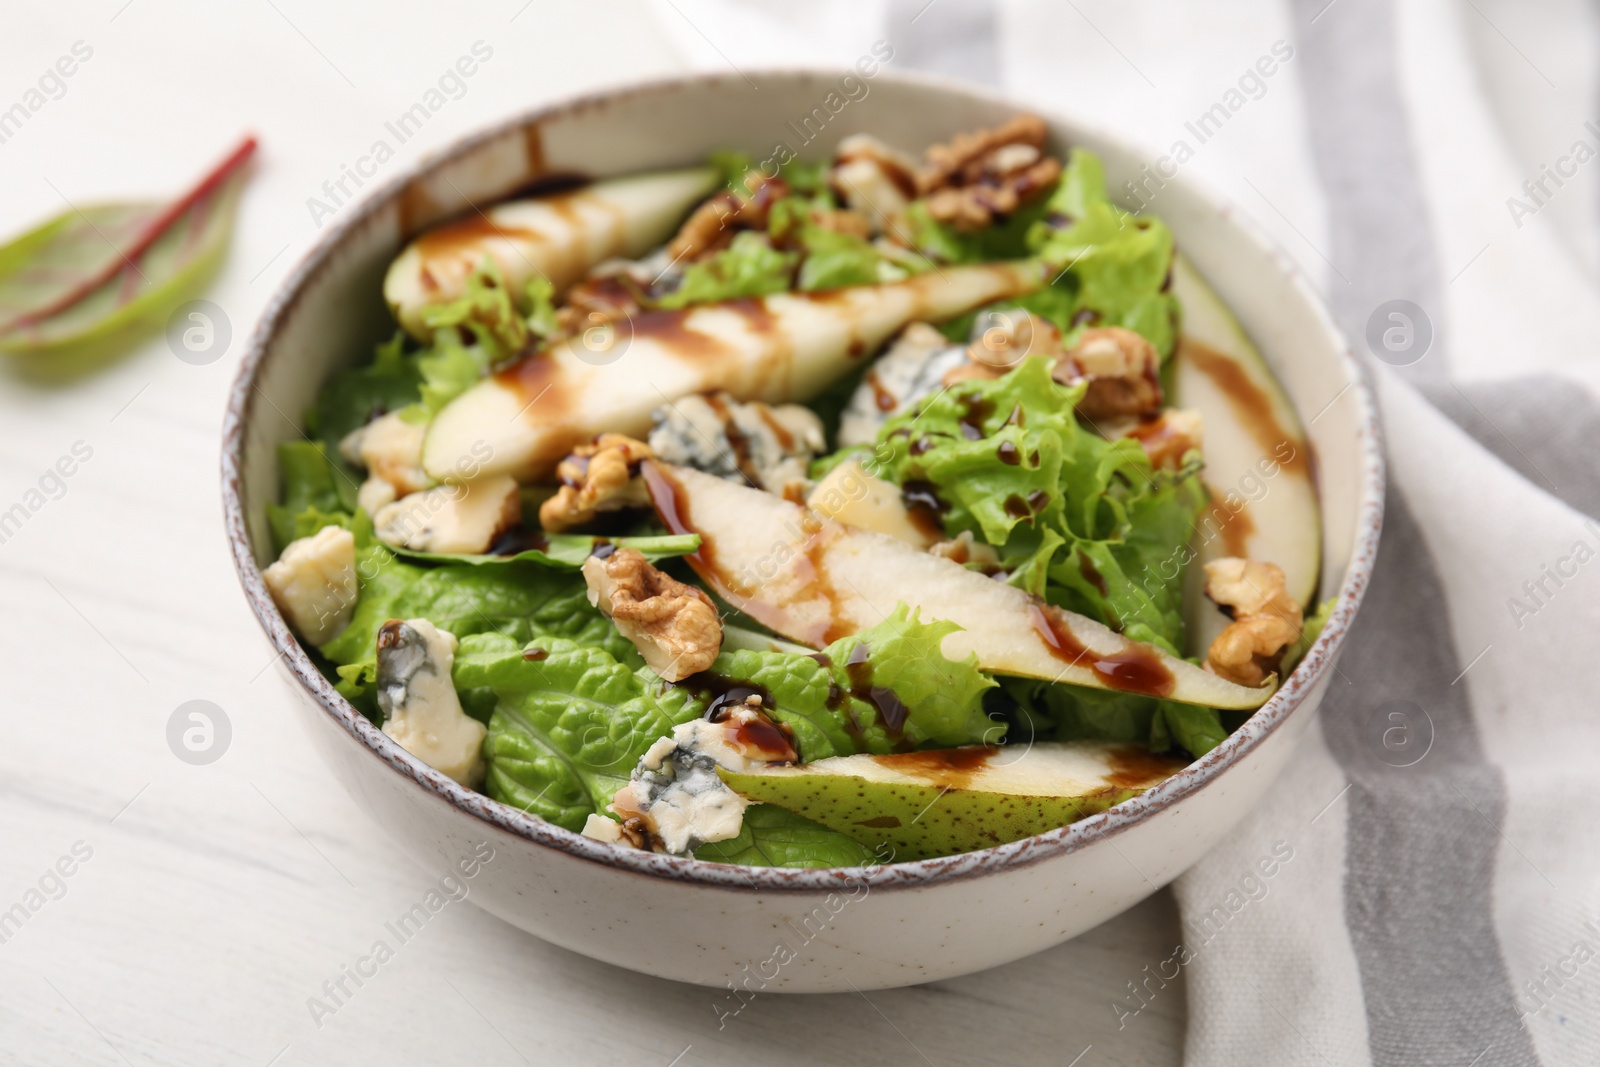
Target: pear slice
x,y
1258,465
559,236
815,580
778,348
926,804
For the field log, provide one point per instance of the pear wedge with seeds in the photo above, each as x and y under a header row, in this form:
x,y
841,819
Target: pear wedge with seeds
x,y
936,803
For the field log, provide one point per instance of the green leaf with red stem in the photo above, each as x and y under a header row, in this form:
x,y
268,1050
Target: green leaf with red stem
x,y
94,269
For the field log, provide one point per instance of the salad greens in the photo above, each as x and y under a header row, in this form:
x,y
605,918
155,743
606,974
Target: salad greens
x,y
551,646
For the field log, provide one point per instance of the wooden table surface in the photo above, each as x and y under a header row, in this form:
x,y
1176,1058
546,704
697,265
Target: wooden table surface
x,y
206,904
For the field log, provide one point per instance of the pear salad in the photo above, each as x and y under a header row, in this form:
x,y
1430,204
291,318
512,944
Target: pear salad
x,y
826,514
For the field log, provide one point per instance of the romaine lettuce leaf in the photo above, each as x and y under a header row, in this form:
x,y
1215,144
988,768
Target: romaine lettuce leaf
x,y
776,837
569,727
311,483
1073,713
520,600
355,397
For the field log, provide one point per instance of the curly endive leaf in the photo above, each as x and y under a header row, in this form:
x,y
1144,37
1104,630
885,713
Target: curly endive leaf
x,y
96,268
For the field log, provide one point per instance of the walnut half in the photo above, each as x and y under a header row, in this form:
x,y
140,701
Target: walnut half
x,y
674,626
1266,620
978,177
596,477
1122,368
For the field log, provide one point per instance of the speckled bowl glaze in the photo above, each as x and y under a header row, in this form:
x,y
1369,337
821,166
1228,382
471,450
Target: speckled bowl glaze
x,y
771,929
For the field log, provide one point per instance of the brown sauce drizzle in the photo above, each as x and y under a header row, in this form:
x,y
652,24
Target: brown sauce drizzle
x,y
892,713
762,734
779,430
1136,767
1131,669
1236,528
1251,404
1090,574
951,768
737,439
670,330
464,239
976,413
518,539
534,655
672,506
1017,507
925,508
1009,453
881,397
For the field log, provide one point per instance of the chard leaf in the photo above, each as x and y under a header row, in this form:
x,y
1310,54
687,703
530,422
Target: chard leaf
x,y
95,269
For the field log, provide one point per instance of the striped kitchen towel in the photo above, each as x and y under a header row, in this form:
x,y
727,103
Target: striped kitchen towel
x,y
1421,886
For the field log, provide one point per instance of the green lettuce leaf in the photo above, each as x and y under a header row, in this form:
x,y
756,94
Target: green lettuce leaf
x,y
1113,264
1072,713
851,696
568,728
776,837
1310,630
391,382
311,483
568,551
750,266
1083,522
520,600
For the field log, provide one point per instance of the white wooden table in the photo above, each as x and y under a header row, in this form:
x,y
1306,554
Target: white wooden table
x,y
215,900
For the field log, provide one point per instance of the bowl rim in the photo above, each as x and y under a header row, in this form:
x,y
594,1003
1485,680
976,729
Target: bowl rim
x,y
1311,671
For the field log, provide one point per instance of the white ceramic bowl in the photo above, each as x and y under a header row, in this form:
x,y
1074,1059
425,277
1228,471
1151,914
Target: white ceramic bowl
x,y
774,929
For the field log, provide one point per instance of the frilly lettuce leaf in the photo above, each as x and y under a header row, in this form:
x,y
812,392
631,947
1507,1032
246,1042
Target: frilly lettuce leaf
x,y
1109,262
1084,522
568,728
837,708
776,837
1114,264
749,266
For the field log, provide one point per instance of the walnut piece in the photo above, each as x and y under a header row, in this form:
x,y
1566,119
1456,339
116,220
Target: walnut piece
x,y
874,180
1004,338
1166,438
674,626
986,174
711,226
1266,620
1122,368
597,477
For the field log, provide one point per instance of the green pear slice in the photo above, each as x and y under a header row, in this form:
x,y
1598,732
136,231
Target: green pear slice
x,y
778,348
815,580
560,236
926,804
1258,465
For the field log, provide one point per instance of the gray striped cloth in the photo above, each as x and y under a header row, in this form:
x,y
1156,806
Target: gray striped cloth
x,y
1434,849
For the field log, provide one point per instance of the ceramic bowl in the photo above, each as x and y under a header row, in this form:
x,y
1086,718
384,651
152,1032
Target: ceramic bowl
x,y
758,928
